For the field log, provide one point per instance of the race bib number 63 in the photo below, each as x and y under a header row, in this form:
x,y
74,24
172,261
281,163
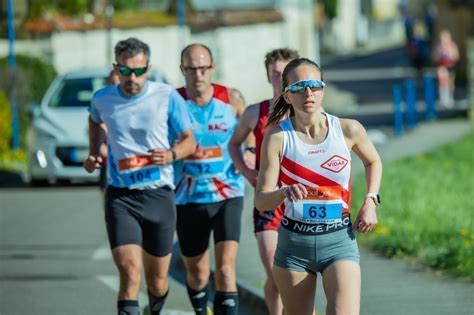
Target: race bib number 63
x,y
323,205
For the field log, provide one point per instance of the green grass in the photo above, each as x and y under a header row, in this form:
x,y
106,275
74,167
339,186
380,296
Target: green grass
x,y
428,209
13,161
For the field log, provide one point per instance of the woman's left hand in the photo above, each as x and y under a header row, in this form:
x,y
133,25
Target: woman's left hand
x,y
366,218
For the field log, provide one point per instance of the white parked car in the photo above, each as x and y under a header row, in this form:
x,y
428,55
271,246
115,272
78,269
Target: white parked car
x,y
58,140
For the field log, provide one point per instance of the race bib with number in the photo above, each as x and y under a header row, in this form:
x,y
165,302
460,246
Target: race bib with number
x,y
205,162
323,205
138,171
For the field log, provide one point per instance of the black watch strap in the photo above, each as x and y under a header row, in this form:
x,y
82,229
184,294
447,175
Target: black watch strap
x,y
375,197
173,153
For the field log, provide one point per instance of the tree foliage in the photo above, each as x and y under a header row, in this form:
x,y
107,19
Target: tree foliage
x,y
31,80
5,122
76,7
330,8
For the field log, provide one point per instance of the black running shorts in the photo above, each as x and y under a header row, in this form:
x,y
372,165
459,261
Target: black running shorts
x,y
142,217
196,220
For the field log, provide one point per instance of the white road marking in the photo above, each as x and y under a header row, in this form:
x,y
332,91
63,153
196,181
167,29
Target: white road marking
x,y
113,283
102,253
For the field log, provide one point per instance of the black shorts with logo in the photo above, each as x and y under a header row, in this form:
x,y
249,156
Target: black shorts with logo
x,y
196,220
142,217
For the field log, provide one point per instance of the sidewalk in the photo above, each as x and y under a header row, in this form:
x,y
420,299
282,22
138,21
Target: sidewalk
x,y
381,114
388,286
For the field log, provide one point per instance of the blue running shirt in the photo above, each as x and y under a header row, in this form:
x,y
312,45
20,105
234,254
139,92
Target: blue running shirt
x,y
209,175
135,125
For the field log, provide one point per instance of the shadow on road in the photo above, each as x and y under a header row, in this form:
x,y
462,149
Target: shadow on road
x,y
10,180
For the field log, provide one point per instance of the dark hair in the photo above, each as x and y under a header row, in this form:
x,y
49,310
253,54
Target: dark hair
x,y
281,107
280,54
183,52
132,47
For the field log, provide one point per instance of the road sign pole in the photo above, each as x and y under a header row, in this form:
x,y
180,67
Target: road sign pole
x,y
397,110
181,18
15,141
430,96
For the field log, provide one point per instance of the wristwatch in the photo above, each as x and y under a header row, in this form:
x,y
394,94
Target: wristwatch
x,y
173,153
375,197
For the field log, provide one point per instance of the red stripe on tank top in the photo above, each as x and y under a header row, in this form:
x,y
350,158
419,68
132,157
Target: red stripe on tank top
x,y
261,129
219,91
221,187
307,174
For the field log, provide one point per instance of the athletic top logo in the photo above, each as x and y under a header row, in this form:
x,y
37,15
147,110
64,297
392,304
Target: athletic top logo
x,y
218,127
335,164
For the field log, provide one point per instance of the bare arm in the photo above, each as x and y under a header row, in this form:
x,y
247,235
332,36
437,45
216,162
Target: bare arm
x,y
242,131
183,147
238,103
96,138
358,141
103,140
267,196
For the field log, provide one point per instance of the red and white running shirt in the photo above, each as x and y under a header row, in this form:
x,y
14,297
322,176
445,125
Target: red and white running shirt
x,y
324,168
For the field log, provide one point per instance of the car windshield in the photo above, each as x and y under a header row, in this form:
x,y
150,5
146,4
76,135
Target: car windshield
x,y
76,92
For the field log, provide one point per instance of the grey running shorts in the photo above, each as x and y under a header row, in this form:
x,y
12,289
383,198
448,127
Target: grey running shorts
x,y
313,253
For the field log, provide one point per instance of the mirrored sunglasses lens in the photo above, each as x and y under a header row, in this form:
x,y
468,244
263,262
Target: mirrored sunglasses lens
x,y
297,88
315,84
140,71
125,71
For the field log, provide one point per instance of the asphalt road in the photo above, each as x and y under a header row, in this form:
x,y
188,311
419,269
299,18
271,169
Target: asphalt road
x,y
54,256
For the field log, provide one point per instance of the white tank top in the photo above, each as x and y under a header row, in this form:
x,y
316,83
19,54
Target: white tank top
x,y
325,169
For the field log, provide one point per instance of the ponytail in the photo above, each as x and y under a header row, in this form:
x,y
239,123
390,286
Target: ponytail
x,y
280,111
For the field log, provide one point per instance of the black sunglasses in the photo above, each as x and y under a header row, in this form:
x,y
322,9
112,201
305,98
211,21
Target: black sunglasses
x,y
193,70
124,70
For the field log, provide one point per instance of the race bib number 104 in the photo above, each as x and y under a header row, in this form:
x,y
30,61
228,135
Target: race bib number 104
x,y
138,171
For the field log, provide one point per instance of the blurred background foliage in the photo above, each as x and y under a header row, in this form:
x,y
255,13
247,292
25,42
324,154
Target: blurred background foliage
x,y
426,212
75,7
5,118
32,79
